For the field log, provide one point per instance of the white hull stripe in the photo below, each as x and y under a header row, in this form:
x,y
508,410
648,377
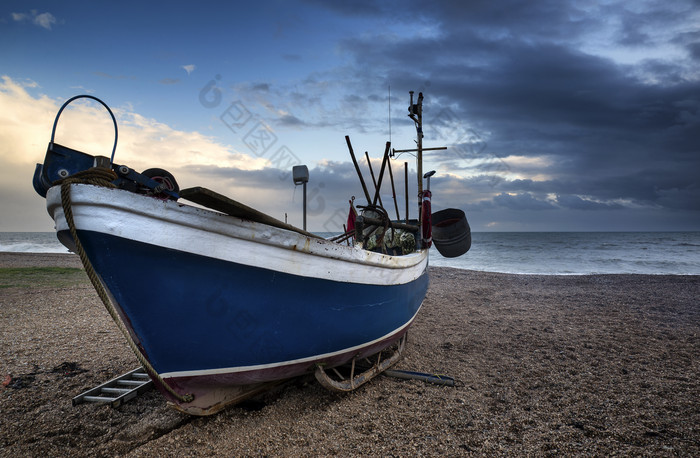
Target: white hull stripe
x,y
211,234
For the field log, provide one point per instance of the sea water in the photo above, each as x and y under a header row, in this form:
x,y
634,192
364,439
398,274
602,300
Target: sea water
x,y
30,242
570,253
560,253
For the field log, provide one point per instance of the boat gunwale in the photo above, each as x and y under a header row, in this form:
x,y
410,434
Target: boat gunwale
x,y
216,224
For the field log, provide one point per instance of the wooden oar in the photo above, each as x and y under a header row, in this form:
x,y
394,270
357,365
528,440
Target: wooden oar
x,y
223,204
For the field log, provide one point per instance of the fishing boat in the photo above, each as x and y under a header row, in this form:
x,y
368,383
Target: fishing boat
x,y
220,301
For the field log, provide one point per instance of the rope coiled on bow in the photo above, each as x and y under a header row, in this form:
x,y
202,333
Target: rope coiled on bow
x,y
100,176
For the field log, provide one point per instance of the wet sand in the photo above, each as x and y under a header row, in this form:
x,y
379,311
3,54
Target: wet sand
x,y
546,365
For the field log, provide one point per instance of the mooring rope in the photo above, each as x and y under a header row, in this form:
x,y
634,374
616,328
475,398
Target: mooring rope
x,y
100,176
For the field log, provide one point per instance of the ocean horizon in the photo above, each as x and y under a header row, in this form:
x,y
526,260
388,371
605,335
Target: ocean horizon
x,y
548,253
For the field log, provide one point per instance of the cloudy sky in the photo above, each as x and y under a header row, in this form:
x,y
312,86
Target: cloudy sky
x,y
558,115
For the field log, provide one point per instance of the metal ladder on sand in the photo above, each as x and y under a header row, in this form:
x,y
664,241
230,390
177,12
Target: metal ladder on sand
x,y
118,390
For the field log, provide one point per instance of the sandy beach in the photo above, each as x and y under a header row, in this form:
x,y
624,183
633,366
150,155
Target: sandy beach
x,y
546,365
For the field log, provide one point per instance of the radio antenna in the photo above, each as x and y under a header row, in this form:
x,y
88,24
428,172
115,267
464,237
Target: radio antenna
x,y
390,114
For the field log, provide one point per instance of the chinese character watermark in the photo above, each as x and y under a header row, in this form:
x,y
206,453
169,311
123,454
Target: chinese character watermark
x,y
262,141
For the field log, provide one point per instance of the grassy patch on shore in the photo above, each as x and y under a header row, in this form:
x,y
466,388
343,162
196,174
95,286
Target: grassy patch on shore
x,y
28,277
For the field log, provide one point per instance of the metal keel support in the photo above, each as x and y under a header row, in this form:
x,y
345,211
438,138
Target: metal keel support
x,y
355,381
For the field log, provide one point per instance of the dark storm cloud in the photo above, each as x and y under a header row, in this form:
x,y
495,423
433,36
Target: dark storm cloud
x,y
522,202
262,87
288,120
357,7
521,78
694,49
577,203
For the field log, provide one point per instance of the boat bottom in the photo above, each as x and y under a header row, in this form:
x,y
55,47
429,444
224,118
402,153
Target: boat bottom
x,y
216,392
219,398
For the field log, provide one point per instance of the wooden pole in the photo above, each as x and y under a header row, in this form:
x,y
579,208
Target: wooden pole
x,y
304,205
419,154
357,169
371,172
393,191
381,172
405,169
415,149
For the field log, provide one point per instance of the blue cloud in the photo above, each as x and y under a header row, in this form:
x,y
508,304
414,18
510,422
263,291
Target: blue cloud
x,y
45,20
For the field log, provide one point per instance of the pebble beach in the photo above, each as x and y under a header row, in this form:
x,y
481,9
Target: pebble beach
x,y
545,365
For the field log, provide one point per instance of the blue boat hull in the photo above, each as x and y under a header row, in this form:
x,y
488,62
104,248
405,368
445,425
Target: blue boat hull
x,y
220,305
193,315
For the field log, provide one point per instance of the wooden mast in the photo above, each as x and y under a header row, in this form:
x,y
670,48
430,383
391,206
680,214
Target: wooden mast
x,y
415,112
